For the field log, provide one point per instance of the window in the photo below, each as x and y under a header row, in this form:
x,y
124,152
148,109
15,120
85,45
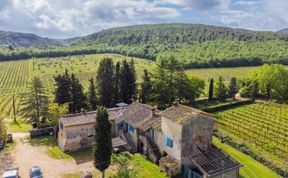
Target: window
x,y
121,125
131,129
169,142
61,125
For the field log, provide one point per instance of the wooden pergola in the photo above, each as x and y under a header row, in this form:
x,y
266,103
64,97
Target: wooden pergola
x,y
213,161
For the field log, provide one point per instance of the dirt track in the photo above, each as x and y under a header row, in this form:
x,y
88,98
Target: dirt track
x,y
27,155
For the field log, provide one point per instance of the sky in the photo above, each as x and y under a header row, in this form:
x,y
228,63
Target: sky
x,y
70,18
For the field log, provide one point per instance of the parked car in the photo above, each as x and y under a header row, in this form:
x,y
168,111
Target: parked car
x,y
2,145
11,173
35,172
9,138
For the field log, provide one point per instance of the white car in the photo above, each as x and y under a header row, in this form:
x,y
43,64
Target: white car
x,y
11,173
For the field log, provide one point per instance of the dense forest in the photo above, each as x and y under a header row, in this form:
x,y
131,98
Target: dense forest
x,y
197,46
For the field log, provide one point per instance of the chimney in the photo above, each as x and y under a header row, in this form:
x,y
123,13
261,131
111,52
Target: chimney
x,y
83,111
154,114
176,102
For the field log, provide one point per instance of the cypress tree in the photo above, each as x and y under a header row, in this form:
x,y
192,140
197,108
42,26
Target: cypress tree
x,y
211,88
220,89
105,82
233,89
78,99
63,88
102,145
254,89
92,98
146,87
128,82
117,80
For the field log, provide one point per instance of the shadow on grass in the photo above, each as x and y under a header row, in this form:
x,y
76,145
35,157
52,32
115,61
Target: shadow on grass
x,y
82,156
19,126
43,141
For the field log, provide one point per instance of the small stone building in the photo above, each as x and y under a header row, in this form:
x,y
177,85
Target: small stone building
x,y
76,131
179,138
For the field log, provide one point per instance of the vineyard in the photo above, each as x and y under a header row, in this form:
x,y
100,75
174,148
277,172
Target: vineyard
x,y
263,127
16,75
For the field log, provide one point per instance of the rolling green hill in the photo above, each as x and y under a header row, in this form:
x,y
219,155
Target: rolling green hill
x,y
176,33
13,39
197,46
283,30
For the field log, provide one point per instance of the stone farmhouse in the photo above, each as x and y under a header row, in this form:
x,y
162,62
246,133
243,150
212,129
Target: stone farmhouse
x,y
179,138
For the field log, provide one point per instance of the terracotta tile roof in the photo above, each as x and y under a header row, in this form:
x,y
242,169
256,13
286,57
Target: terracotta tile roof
x,y
181,113
89,117
135,114
154,122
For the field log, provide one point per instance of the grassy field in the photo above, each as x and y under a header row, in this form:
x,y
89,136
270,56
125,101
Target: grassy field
x,y
251,168
226,73
16,75
262,127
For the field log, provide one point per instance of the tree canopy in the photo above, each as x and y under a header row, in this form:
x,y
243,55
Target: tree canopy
x,y
170,82
105,82
273,81
35,102
102,145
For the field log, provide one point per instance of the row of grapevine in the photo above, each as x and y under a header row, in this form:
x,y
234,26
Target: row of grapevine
x,y
262,125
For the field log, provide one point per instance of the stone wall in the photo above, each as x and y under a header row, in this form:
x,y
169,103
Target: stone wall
x,y
173,131
76,137
197,130
230,174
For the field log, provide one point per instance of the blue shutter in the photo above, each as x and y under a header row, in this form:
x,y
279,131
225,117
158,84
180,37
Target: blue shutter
x,y
169,142
131,129
120,125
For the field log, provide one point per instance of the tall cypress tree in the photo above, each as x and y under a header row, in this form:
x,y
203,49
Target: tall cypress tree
x,y
220,89
102,145
211,87
254,89
78,98
63,88
117,80
105,82
128,82
146,87
233,89
92,98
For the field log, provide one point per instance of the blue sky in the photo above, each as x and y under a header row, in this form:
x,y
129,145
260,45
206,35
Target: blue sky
x,y
69,18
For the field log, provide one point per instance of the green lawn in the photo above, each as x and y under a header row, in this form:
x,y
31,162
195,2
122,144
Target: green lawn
x,y
148,169
251,168
19,126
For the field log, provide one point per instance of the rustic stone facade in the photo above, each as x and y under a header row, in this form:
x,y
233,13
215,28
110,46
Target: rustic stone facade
x,y
179,138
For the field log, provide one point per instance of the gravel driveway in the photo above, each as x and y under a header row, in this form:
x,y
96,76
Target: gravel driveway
x,y
26,156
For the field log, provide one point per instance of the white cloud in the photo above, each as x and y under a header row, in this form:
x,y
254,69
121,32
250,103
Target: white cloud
x,y
198,4
68,18
267,15
248,3
78,17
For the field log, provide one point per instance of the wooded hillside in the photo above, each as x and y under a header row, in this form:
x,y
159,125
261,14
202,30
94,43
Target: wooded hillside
x,y
197,46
